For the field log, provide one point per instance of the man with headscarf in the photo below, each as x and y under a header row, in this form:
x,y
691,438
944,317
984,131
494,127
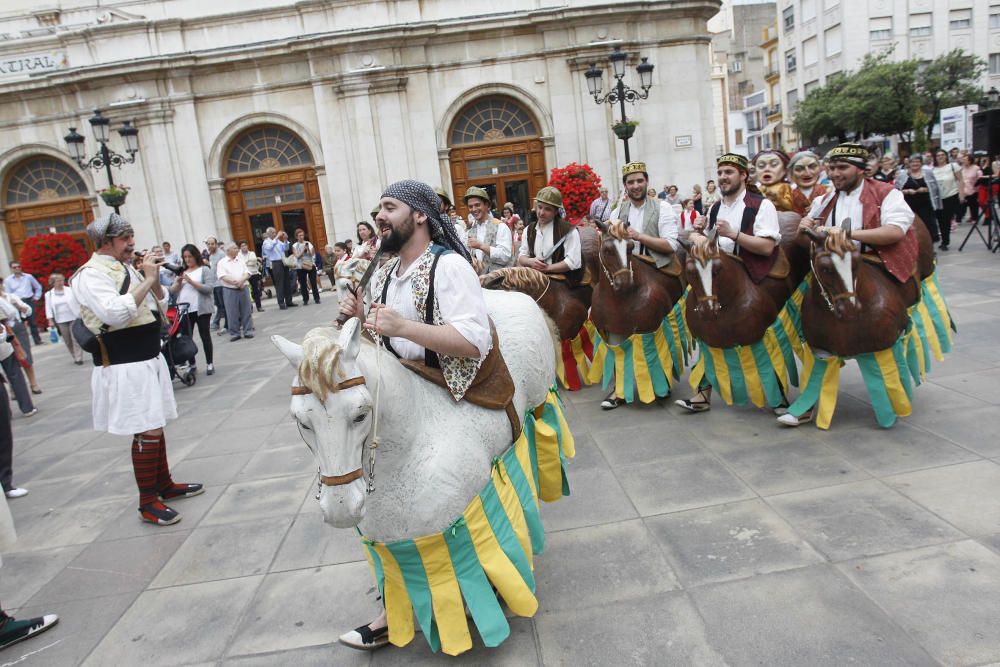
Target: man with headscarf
x,y
427,305
132,391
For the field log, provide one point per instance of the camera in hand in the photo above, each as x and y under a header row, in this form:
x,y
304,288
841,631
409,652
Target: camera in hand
x,y
176,269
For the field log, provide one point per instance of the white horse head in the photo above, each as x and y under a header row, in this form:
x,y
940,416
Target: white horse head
x,y
331,405
348,275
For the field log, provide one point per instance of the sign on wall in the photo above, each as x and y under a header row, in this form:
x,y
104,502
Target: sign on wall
x,y
956,127
32,63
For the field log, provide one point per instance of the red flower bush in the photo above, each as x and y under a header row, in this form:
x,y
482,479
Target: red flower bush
x,y
46,254
579,186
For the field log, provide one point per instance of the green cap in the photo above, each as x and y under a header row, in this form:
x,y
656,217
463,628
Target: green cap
x,y
550,195
479,193
443,195
376,210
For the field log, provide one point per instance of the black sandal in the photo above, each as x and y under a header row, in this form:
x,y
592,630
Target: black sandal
x,y
365,639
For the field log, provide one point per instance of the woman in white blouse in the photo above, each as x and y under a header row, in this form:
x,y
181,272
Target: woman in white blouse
x,y
368,242
61,308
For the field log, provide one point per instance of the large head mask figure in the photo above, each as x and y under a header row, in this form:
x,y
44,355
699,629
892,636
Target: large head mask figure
x,y
805,168
770,167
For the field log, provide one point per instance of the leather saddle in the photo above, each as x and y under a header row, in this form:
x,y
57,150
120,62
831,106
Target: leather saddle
x,y
781,269
492,388
673,269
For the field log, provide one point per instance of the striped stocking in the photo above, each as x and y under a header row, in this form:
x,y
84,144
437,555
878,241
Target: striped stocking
x,y
145,461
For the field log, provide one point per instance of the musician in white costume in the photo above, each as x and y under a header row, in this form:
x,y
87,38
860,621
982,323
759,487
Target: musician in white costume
x,y
133,394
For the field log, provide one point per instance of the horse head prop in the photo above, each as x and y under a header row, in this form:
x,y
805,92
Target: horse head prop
x,y
615,255
704,263
348,275
331,403
834,259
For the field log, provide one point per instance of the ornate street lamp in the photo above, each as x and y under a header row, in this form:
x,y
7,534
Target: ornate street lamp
x,y
105,158
620,93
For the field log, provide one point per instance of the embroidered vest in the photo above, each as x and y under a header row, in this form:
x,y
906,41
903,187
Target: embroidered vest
x,y
459,372
650,226
561,229
899,258
491,240
758,266
116,271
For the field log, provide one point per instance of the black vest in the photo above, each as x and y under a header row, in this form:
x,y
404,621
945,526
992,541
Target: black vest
x,y
758,266
561,229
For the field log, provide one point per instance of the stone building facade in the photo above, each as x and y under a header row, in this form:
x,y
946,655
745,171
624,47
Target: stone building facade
x,y
299,113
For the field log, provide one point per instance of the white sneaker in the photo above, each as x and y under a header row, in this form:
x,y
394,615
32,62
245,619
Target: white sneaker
x,y
16,493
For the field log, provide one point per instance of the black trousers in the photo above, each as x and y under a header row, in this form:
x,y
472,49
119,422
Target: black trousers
x,y
948,212
6,441
31,321
203,321
255,289
971,204
220,306
310,278
15,376
283,283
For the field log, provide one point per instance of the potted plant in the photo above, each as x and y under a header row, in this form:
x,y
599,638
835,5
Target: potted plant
x,y
114,195
625,129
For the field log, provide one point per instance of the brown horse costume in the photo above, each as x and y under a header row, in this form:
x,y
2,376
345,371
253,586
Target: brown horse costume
x,y
631,295
738,310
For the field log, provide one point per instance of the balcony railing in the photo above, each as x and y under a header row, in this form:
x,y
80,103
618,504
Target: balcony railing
x,y
775,110
771,71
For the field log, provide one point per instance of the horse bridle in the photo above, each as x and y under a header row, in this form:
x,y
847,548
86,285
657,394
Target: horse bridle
x,y
347,478
822,288
626,269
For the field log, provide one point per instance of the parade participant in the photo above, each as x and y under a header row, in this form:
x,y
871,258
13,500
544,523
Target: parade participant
x,y
651,224
132,392
876,212
490,241
747,226
454,333
446,208
805,168
771,172
543,247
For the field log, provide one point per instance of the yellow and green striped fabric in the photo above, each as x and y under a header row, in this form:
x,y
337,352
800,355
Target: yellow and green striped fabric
x,y
491,545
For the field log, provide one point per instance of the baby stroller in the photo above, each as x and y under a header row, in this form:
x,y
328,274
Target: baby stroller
x,y
178,346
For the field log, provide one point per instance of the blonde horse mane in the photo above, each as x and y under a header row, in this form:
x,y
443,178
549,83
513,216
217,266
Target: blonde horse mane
x,y
519,279
618,230
838,241
702,248
320,369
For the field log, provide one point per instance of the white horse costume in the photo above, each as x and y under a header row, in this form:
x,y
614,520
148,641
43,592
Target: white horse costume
x,y
348,275
456,503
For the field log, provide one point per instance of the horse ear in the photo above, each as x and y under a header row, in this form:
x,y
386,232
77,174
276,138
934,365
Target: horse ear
x,y
350,338
603,226
818,236
292,351
713,235
685,243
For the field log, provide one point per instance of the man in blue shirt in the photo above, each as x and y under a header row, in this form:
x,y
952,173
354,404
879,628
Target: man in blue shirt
x,y
274,248
25,287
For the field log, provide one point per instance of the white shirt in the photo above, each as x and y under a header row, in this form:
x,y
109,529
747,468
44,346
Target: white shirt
x,y
252,263
61,307
894,209
503,243
459,297
365,250
666,225
97,292
234,269
462,231
765,225
188,293
543,244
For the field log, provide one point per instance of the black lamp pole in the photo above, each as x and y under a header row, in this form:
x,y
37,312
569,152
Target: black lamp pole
x,y
620,93
106,158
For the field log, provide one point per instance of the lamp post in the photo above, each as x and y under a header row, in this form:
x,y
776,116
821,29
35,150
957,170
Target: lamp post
x,y
105,158
993,95
620,93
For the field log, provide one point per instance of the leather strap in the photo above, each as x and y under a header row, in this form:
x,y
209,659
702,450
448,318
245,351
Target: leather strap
x,y
340,480
346,384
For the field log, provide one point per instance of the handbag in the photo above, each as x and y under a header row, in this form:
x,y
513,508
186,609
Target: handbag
x,y
308,258
87,340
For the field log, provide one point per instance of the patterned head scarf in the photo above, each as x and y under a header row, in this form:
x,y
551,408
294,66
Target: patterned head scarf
x,y
109,226
421,197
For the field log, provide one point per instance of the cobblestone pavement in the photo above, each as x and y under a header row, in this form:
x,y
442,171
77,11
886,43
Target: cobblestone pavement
x,y
688,539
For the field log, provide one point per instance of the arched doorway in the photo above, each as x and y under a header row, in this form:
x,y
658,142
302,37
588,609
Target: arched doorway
x,y
42,195
495,144
270,182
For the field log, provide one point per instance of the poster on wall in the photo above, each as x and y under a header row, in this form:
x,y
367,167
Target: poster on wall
x,y
956,126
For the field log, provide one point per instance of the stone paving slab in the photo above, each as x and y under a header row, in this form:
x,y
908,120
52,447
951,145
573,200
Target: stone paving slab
x,y
706,539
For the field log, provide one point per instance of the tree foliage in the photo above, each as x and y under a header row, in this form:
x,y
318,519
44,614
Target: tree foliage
x,y
883,97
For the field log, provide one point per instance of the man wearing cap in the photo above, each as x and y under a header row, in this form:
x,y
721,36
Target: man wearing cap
x,y
132,391
875,212
747,226
491,243
427,305
460,230
551,244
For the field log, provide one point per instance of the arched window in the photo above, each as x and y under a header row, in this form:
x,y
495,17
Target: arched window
x,y
265,148
492,119
41,179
